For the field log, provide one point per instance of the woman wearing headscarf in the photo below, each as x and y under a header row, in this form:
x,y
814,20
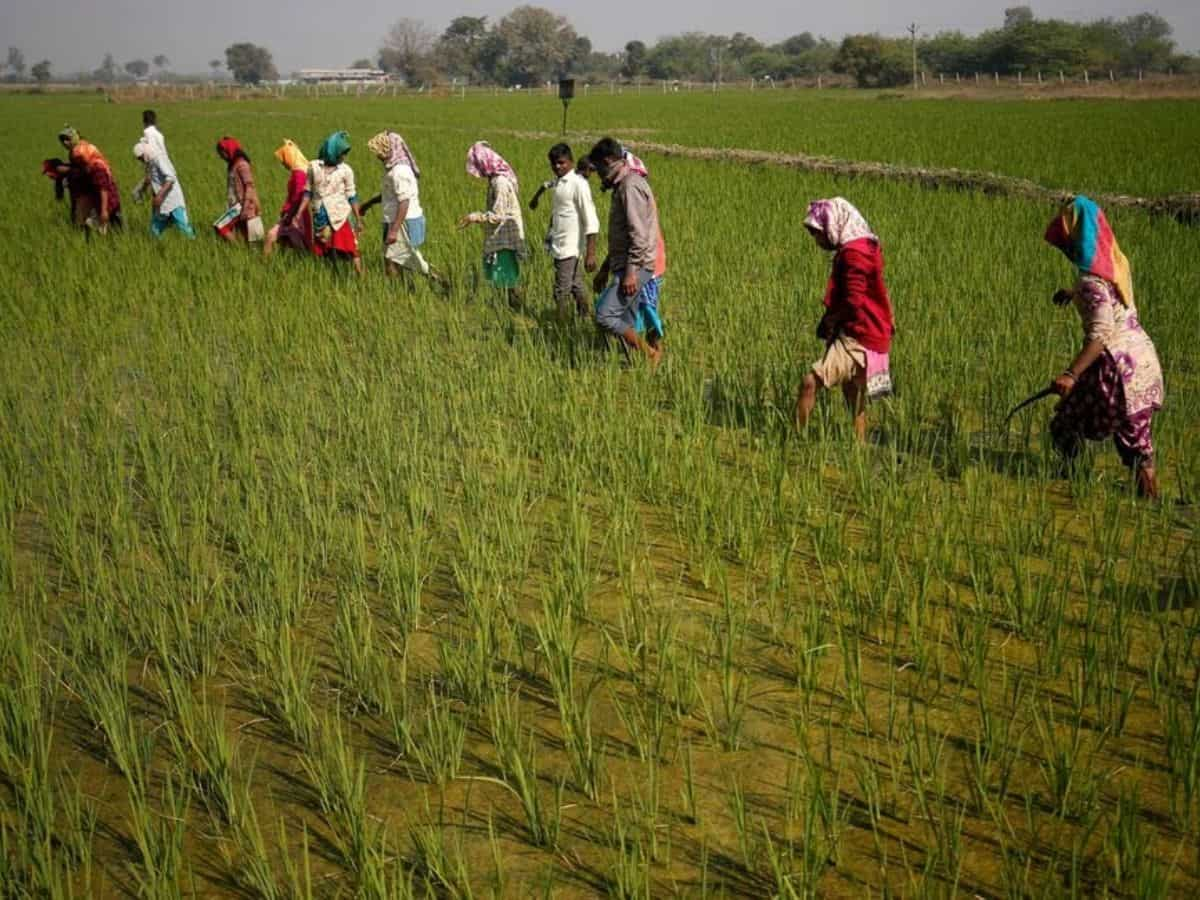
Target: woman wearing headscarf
x,y
96,198
504,235
243,218
403,218
294,229
857,326
332,196
1114,385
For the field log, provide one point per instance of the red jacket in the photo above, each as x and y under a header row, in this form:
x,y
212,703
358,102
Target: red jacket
x,y
856,301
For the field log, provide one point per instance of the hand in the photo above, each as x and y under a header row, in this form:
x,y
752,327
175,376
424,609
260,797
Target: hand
x,y
589,263
103,215
629,283
465,221
1063,384
390,239
824,329
156,202
1062,297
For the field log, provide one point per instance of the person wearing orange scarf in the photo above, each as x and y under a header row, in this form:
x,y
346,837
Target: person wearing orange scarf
x,y
97,200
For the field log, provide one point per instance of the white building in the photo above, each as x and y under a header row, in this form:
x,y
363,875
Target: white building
x,y
342,76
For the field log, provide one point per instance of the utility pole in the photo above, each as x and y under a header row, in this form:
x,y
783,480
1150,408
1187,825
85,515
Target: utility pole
x,y
912,31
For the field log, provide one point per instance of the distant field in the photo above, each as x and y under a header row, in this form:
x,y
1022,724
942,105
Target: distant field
x,y
314,588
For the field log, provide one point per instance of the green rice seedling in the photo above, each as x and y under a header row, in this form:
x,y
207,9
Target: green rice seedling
x,y
438,858
781,862
251,864
742,825
437,744
558,638
724,721
629,875
159,839
297,865
285,686
361,665
339,777
518,762
406,565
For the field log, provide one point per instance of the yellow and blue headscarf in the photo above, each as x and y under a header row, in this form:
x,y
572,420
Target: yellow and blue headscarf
x,y
1081,231
334,147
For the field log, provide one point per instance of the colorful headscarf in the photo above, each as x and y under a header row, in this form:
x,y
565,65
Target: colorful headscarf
x,y
484,162
393,150
1081,231
838,220
87,154
289,154
69,136
634,164
230,150
334,147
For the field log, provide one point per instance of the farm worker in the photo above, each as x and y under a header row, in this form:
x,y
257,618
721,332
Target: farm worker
x,y
857,327
97,201
332,197
634,254
1114,385
167,196
571,237
504,238
68,179
243,218
403,218
293,228
150,133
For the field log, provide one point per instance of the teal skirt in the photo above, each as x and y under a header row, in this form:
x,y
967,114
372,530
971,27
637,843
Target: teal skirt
x,y
502,269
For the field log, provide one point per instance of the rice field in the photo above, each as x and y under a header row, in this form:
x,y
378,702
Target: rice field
x,y
316,587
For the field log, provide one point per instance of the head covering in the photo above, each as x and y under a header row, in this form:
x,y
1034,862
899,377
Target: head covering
x,y
145,150
484,162
634,164
334,147
838,221
393,150
289,154
69,136
1082,233
231,149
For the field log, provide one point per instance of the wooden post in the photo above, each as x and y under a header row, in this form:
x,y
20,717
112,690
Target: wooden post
x,y
1062,79
1086,79
996,75
941,77
976,79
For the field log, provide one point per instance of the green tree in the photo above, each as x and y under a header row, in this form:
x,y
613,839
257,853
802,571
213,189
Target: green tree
x,y
107,73
634,64
539,44
41,71
406,50
1148,42
16,63
797,44
362,63
873,61
137,68
459,47
250,63
161,62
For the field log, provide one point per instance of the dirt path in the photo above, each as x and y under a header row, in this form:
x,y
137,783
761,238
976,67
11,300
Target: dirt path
x,y
1184,208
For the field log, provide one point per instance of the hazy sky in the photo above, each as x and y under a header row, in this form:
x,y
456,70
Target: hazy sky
x,y
75,34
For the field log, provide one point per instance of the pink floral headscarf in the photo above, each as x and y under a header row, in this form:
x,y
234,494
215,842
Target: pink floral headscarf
x,y
393,150
838,220
484,162
634,164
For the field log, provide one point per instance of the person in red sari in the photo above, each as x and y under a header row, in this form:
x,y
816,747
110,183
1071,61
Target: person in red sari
x,y
243,218
294,228
857,327
95,197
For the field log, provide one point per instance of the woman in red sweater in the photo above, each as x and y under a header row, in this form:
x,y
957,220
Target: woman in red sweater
x,y
857,326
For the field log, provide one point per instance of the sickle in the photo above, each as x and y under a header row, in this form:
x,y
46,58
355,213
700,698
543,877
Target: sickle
x,y
1040,395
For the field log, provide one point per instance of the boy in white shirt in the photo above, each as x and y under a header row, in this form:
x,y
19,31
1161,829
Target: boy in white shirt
x,y
572,233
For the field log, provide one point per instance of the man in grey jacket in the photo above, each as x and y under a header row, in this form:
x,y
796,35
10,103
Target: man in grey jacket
x,y
632,247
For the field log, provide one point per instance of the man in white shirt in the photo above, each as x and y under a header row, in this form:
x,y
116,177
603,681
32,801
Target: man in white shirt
x,y
150,133
573,230
166,196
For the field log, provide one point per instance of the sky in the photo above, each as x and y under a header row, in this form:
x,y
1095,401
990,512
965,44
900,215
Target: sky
x,y
75,34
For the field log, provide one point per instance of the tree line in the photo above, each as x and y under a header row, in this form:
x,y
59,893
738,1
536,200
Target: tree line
x,y
532,45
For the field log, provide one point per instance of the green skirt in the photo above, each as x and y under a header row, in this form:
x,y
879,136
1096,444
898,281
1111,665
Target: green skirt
x,y
503,269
